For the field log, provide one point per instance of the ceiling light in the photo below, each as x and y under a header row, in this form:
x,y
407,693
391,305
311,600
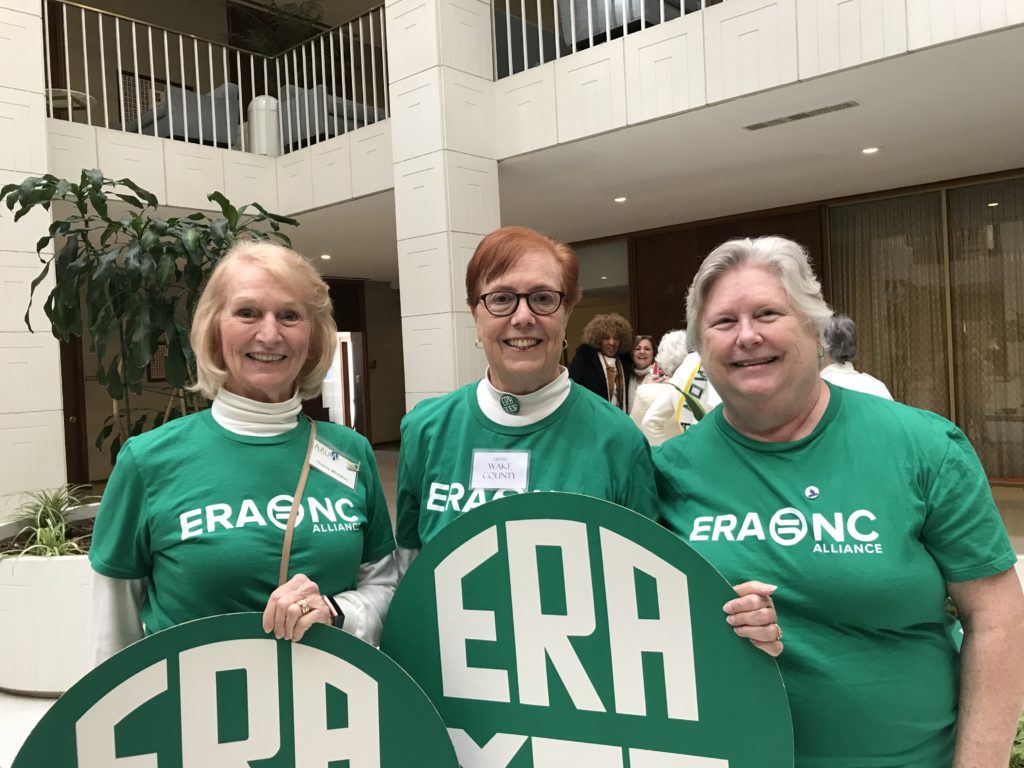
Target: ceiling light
x,y
993,205
325,256
869,150
604,277
619,199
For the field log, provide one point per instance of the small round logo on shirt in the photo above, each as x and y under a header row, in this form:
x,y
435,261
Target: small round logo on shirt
x,y
510,404
812,492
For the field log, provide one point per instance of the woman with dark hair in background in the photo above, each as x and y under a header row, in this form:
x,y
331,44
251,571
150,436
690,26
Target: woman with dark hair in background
x,y
603,363
644,353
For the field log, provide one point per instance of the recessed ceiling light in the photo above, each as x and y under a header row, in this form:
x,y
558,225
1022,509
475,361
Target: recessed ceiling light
x,y
604,277
619,199
869,150
993,205
325,256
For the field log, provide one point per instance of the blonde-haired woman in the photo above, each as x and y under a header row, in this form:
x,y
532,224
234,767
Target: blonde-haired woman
x,y
194,517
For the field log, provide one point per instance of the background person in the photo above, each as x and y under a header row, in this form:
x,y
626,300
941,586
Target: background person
x,y
550,433
644,352
671,351
840,349
192,521
670,414
866,512
603,363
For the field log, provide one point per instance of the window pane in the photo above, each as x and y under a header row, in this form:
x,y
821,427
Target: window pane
x,y
986,248
886,273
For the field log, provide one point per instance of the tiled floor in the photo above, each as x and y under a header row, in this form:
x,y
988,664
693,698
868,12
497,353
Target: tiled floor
x,y
19,714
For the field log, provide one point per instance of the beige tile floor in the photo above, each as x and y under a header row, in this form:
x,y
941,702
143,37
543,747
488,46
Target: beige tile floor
x,y
19,714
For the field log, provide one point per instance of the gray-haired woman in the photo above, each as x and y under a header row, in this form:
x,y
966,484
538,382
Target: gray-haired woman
x,y
867,513
837,364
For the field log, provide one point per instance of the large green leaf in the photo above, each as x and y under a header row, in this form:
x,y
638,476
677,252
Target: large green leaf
x,y
229,211
93,178
145,194
32,292
115,387
219,231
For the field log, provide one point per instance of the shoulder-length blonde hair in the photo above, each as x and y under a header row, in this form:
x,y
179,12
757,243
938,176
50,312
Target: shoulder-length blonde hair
x,y
612,324
293,272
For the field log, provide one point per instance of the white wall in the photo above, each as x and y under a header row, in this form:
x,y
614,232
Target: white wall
x,y
355,164
729,50
31,416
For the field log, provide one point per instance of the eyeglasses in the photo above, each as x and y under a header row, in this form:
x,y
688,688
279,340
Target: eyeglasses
x,y
505,303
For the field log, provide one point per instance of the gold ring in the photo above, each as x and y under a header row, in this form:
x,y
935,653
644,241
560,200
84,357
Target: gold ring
x,y
780,635
304,607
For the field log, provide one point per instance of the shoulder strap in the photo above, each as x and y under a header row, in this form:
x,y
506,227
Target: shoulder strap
x,y
286,548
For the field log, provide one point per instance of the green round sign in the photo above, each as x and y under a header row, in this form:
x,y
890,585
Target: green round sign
x,y
221,692
554,630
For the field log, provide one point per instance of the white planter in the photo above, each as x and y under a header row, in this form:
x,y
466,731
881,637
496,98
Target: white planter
x,y
45,620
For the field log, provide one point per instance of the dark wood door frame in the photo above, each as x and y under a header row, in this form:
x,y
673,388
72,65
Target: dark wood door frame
x,y
72,377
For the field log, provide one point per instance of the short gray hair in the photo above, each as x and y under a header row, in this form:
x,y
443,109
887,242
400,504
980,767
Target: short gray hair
x,y
784,258
671,351
841,338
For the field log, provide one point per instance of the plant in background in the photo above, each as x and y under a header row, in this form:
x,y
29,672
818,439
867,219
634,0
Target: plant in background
x,y
44,527
1017,753
695,406
132,279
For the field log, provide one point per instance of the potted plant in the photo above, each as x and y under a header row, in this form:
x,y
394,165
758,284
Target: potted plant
x,y
45,575
132,278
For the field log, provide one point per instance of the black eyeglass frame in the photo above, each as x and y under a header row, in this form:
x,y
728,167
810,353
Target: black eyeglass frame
x,y
520,297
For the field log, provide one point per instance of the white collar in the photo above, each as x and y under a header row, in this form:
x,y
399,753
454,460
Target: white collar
x,y
532,407
250,417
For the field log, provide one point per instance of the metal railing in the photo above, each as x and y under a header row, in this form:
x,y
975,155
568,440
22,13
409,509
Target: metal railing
x,y
108,70
334,82
528,33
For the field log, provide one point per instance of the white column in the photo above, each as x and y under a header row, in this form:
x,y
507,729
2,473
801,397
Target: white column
x,y
446,180
31,417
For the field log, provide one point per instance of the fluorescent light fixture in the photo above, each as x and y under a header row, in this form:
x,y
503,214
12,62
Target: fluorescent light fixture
x,y
869,150
325,256
604,277
619,199
993,205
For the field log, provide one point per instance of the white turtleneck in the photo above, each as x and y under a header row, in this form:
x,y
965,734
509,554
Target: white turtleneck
x,y
251,417
532,407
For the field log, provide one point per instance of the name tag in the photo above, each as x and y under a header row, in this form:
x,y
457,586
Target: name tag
x,y
334,464
501,470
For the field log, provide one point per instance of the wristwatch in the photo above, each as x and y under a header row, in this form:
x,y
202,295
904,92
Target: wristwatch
x,y
338,619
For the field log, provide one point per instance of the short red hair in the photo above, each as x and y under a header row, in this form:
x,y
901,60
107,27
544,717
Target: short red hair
x,y
499,251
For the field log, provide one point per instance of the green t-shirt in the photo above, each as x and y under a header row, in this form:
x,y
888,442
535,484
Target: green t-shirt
x,y
200,512
586,446
860,524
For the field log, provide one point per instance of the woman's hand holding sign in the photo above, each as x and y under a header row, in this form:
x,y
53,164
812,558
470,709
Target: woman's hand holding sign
x,y
752,615
294,607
